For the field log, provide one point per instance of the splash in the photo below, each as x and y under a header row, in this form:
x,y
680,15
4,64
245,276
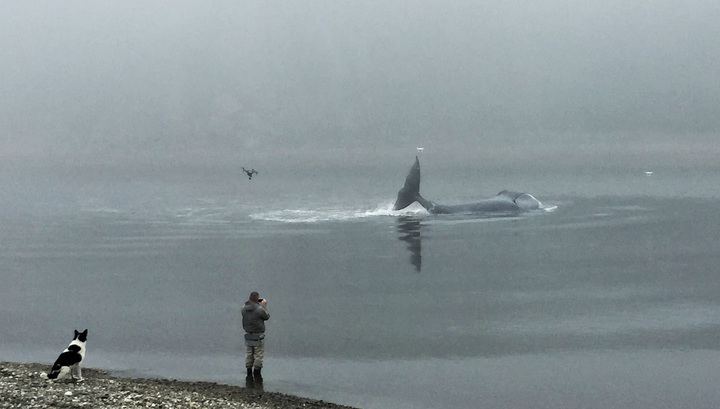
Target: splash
x,y
548,209
331,214
334,214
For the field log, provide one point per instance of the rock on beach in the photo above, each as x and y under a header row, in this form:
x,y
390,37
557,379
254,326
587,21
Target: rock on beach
x,y
23,386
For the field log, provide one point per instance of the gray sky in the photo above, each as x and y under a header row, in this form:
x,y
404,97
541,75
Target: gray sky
x,y
235,80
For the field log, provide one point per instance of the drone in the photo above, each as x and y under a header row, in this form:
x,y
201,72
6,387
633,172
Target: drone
x,y
250,172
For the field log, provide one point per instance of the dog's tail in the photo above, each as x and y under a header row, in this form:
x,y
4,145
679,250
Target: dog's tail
x,y
57,371
68,358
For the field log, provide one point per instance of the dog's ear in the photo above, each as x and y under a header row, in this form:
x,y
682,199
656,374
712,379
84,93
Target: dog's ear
x,y
76,333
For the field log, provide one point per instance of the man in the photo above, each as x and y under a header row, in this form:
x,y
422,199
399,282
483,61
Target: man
x,y
254,316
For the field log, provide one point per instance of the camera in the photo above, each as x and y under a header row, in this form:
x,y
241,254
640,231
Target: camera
x,y
261,299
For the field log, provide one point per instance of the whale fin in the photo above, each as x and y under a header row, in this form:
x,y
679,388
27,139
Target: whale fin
x,y
411,191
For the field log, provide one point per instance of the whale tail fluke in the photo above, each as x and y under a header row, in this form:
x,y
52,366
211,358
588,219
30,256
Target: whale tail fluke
x,y
410,192
504,203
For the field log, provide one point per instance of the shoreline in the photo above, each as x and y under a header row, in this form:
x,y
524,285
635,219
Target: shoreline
x,y
22,385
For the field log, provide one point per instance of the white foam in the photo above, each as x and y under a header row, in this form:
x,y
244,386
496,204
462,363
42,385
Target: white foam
x,y
334,214
348,214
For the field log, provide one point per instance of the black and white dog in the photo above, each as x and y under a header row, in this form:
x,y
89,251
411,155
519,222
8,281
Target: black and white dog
x,y
69,360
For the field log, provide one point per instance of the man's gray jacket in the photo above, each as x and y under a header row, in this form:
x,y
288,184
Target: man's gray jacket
x,y
254,317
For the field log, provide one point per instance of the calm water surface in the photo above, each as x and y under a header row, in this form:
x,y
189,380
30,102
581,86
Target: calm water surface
x,y
608,299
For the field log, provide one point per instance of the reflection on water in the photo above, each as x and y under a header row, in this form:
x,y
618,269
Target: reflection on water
x,y
409,231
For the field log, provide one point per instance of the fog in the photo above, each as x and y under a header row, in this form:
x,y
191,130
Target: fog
x,y
256,82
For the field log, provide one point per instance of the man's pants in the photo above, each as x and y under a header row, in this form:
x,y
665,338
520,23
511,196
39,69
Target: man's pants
x,y
254,355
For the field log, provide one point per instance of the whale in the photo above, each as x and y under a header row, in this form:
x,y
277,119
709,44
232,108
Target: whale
x,y
505,203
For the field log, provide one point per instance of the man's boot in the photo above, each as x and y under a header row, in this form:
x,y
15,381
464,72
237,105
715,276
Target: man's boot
x,y
249,372
257,374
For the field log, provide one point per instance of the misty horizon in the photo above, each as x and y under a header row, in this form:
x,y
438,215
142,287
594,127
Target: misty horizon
x,y
227,82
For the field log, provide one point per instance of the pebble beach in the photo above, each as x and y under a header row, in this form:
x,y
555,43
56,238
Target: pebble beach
x,y
24,386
